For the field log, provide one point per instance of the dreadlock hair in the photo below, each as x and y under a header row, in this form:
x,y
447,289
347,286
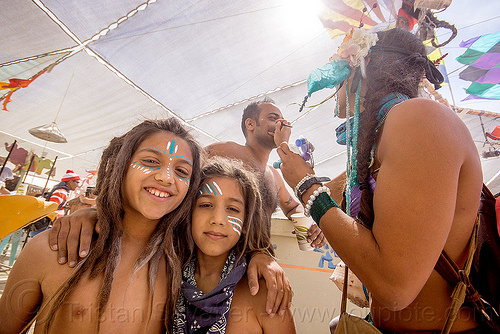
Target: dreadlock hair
x,y
252,111
254,236
386,72
168,238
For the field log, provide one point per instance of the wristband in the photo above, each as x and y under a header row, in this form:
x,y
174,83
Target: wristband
x,y
296,189
321,205
312,198
308,184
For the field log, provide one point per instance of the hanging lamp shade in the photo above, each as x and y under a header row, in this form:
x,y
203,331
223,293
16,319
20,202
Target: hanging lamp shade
x,y
49,132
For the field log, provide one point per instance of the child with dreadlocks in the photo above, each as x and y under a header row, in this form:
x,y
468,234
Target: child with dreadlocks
x,y
227,223
128,283
412,188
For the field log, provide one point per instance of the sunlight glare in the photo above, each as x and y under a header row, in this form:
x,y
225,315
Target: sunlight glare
x,y
301,18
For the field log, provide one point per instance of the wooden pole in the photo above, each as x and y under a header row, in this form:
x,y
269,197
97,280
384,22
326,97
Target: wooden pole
x,y
8,156
48,177
29,166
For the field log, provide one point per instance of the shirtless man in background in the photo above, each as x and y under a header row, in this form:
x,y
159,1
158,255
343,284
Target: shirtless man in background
x,y
264,129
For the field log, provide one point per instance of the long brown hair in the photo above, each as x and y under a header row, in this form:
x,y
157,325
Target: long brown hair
x,y
387,72
168,238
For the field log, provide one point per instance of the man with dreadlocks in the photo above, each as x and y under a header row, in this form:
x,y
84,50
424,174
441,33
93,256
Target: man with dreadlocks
x,y
412,188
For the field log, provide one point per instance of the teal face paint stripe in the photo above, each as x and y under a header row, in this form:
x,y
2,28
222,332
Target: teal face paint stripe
x,y
236,224
186,179
172,147
211,188
214,191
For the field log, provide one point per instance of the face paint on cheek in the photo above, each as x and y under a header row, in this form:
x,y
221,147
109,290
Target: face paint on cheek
x,y
170,151
145,169
236,224
186,180
211,188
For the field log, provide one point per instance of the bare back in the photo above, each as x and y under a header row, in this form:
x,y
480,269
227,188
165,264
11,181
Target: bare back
x,y
427,197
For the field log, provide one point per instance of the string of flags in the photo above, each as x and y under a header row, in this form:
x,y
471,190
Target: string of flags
x,y
483,59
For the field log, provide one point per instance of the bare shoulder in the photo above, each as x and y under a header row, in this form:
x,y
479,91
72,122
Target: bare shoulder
x,y
248,313
227,148
25,284
37,254
423,113
426,124
276,175
244,302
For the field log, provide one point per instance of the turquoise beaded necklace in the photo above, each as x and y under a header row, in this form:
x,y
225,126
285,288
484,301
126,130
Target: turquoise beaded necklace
x,y
352,144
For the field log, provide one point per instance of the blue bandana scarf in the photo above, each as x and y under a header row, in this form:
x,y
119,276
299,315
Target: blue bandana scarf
x,y
197,312
386,105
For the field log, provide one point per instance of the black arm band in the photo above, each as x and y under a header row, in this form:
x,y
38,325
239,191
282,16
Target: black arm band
x,y
309,183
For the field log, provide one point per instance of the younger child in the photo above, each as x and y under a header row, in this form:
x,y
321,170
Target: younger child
x,y
227,224
127,284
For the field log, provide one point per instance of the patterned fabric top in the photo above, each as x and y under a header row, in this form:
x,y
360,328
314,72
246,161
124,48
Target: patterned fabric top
x,y
197,312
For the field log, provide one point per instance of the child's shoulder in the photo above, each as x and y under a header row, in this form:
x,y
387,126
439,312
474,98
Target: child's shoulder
x,y
246,310
248,313
242,294
37,254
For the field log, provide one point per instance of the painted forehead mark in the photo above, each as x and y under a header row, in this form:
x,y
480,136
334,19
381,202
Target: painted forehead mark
x,y
145,169
171,151
235,224
211,188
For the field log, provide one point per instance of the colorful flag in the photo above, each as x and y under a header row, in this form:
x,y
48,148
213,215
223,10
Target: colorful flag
x,y
340,16
13,85
483,58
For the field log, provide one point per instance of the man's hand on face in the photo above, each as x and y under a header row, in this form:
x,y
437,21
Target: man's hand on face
x,y
282,132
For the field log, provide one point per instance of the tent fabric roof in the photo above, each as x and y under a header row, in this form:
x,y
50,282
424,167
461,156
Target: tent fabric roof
x,y
197,60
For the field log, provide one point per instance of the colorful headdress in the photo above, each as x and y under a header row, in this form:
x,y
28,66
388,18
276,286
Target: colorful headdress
x,y
350,54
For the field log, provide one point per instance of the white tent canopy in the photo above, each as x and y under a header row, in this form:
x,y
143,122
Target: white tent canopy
x,y
201,61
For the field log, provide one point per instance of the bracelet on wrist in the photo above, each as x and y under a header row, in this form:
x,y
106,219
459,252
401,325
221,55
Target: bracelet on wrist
x,y
309,183
312,198
304,179
319,203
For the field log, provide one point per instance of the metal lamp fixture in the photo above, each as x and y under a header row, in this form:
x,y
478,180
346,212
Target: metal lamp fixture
x,y
49,132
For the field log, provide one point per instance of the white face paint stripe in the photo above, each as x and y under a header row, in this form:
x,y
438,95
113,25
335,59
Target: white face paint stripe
x,y
218,188
236,224
172,148
211,188
144,169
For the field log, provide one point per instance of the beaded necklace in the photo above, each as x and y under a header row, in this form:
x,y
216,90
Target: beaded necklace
x,y
352,144
349,131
